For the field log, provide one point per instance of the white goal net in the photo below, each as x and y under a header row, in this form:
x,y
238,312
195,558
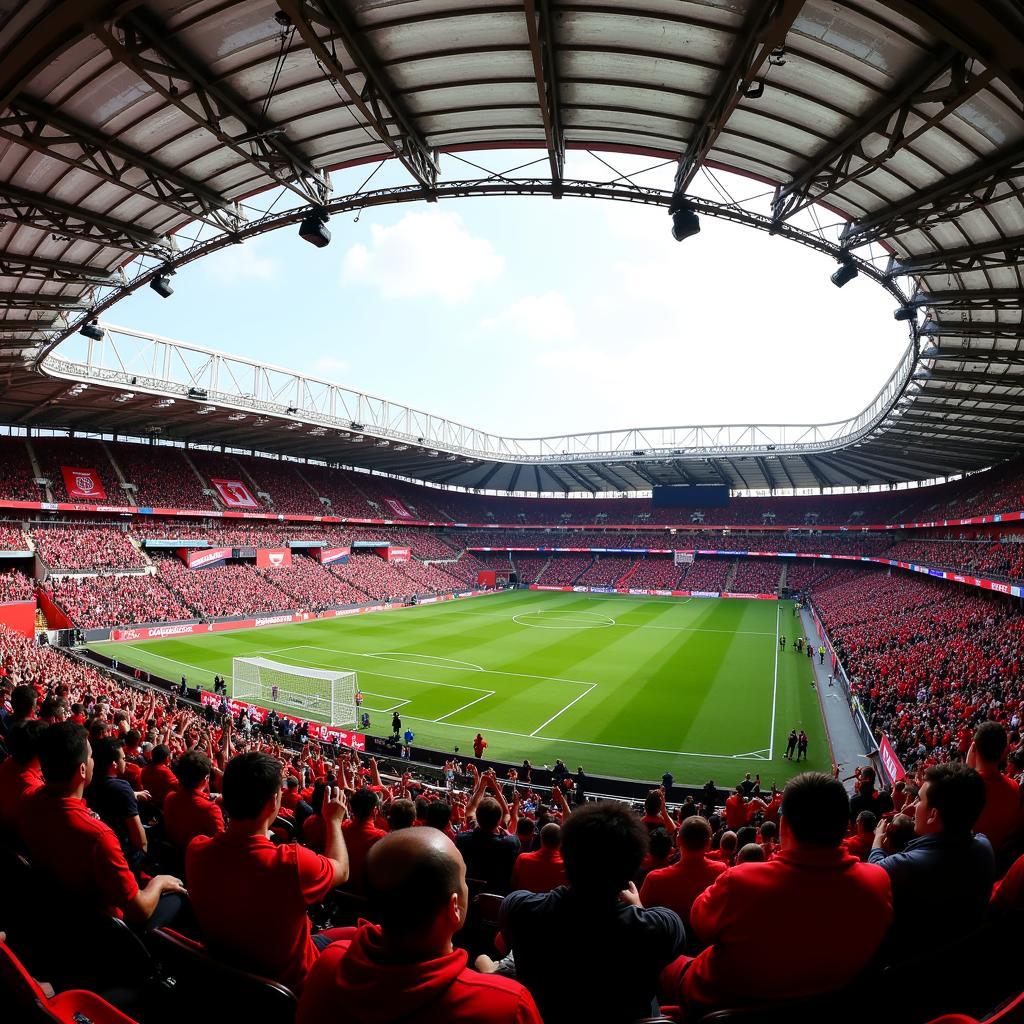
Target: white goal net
x,y
320,695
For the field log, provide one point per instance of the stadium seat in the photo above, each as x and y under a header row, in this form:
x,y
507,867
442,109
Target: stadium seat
x,y
223,990
26,1001
1009,1012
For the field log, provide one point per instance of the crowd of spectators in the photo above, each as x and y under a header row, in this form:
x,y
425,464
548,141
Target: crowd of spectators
x,y
53,453
93,602
162,478
233,589
12,538
85,548
374,576
312,586
17,479
708,574
15,586
606,571
756,576
564,570
284,482
657,572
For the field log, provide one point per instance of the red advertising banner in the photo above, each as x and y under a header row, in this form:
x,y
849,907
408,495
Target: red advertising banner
x,y
328,556
398,508
273,558
82,483
486,577
234,493
204,558
396,554
317,730
890,762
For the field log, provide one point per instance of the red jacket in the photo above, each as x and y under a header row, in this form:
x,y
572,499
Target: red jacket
x,y
540,871
842,909
352,981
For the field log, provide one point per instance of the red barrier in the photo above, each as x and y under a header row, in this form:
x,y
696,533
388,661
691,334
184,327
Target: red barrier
x,y
56,618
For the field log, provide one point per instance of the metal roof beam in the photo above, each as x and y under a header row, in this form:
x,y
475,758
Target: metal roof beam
x,y
967,298
945,424
987,182
73,221
967,329
975,377
30,300
41,128
991,255
142,44
36,268
764,32
540,28
967,355
846,160
321,24
25,325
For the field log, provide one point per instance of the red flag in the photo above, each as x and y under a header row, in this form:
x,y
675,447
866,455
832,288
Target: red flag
x,y
234,493
83,483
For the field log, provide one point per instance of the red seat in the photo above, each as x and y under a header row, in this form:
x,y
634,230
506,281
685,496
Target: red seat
x,y
1011,1012
24,994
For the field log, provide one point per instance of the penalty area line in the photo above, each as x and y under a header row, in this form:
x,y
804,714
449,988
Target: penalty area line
x,y
489,693
562,712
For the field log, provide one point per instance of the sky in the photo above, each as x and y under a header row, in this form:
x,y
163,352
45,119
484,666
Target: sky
x,y
530,316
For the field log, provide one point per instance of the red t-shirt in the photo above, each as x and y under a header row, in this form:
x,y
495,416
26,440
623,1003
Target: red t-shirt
x,y
133,775
845,909
1008,894
189,813
313,833
16,782
1001,818
159,780
859,846
678,885
359,837
353,981
479,746
735,812
70,844
250,899
540,871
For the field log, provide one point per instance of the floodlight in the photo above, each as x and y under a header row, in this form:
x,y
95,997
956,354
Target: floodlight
x,y
92,331
906,313
846,273
684,223
161,284
314,230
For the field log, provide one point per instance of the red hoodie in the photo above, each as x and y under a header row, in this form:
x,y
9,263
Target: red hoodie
x,y
352,979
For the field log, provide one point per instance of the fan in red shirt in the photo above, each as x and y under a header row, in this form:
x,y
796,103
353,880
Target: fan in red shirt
x,y
157,777
72,847
360,834
250,896
1000,821
20,773
479,746
542,870
188,810
678,885
859,844
405,967
845,910
736,812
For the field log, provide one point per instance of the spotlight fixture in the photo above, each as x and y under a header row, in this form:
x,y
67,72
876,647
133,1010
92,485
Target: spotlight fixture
x,y
92,330
161,284
314,229
846,272
906,313
684,222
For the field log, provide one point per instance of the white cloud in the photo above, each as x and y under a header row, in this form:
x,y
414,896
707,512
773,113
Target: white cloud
x,y
547,317
429,254
236,264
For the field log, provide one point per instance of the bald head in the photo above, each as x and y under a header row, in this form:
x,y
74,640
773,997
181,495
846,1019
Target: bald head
x,y
411,876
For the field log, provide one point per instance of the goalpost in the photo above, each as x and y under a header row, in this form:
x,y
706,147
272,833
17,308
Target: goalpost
x,y
327,696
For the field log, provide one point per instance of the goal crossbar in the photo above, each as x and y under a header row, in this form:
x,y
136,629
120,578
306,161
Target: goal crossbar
x,y
322,695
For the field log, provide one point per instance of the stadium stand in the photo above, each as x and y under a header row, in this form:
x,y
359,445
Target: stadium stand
x,y
236,589
563,570
656,573
606,571
162,477
96,601
17,479
87,548
757,576
710,574
54,453
15,586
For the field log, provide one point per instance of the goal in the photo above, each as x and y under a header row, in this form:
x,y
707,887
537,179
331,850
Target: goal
x,y
327,696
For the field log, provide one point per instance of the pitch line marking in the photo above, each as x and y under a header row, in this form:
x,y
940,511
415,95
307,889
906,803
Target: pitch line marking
x,y
426,660
775,684
490,693
562,712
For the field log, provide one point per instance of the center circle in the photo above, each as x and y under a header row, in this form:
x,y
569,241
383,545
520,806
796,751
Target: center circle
x,y
543,619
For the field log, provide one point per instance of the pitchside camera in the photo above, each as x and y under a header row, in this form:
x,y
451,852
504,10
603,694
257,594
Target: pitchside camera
x,y
314,230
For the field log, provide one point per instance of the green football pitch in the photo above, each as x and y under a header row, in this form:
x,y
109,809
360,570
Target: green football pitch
x,y
626,686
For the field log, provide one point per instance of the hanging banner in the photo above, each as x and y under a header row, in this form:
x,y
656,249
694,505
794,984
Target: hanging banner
x,y
890,762
82,483
273,558
398,508
234,493
332,556
396,554
205,558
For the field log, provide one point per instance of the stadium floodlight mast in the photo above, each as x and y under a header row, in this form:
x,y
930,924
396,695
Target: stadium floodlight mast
x,y
685,222
905,313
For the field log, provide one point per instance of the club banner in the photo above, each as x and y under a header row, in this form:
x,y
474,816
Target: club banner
x,y
332,556
273,558
397,554
890,762
82,483
234,493
206,558
398,508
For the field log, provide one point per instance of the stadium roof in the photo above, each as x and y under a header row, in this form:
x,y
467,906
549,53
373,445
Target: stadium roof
x,y
132,134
